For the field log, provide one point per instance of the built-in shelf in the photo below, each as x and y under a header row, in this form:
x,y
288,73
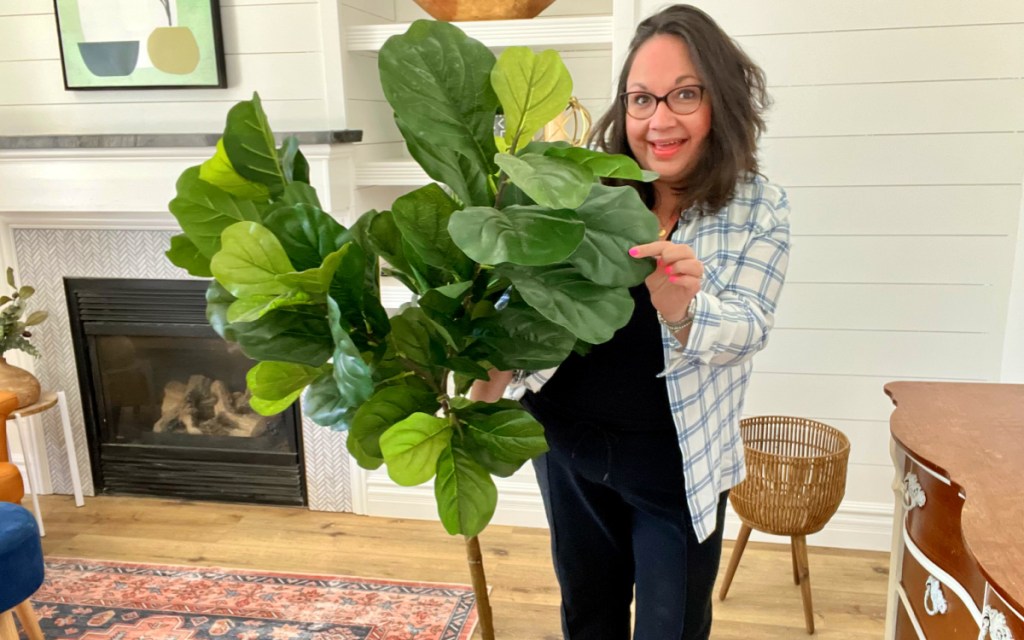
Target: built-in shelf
x,y
575,30
390,173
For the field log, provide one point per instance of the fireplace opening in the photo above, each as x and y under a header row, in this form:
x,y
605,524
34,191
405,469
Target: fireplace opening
x,y
165,401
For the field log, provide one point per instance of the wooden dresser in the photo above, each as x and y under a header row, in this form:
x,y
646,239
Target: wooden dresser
x,y
957,568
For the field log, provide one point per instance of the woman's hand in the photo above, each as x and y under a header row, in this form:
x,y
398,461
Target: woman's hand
x,y
676,279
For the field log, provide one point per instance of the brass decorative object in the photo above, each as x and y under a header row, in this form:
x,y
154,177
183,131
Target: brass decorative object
x,y
572,125
469,10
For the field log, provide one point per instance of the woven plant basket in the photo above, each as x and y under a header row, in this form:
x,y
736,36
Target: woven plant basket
x,y
796,474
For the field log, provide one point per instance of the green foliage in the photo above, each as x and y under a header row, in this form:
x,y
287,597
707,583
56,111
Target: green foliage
x,y
14,333
515,259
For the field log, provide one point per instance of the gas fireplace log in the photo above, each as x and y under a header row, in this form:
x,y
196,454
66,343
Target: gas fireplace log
x,y
208,407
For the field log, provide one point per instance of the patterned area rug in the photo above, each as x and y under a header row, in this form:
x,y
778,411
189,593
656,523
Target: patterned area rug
x,y
98,600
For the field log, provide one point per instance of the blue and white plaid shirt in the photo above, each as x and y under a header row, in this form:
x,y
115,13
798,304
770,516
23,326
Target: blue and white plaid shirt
x,y
745,251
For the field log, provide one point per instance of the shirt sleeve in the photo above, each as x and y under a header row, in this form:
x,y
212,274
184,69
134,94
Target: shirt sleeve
x,y
732,326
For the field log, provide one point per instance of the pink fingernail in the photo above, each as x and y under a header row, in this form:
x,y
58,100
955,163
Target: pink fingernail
x,y
668,270
633,252
673,278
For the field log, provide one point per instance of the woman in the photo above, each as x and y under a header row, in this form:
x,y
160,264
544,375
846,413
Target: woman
x,y
644,429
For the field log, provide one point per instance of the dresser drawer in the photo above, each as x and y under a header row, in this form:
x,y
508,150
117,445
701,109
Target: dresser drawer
x,y
933,507
941,605
999,620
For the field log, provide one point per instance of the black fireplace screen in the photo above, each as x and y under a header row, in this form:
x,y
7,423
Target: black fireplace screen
x,y
165,401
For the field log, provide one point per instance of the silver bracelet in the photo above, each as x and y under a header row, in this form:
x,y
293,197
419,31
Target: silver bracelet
x,y
675,327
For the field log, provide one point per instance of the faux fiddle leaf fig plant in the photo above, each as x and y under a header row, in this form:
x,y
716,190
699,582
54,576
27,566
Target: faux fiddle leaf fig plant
x,y
517,254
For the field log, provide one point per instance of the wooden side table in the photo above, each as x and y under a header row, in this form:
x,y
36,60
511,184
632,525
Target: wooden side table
x,y
33,479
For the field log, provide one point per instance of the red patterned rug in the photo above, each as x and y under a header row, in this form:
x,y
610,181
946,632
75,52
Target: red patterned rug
x,y
98,600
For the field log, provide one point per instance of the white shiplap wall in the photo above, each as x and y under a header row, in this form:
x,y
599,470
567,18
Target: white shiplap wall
x,y
287,50
897,131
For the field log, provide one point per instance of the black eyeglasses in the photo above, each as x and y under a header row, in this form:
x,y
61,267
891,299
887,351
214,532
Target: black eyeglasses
x,y
682,101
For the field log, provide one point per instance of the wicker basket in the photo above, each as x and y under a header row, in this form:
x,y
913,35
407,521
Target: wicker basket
x,y
796,474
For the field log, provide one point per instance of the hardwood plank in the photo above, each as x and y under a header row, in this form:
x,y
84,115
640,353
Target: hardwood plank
x,y
849,586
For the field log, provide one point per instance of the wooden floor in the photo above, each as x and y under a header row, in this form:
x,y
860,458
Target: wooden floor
x,y
763,604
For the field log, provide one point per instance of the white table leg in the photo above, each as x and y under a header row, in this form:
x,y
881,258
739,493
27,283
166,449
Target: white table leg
x,y
69,444
25,435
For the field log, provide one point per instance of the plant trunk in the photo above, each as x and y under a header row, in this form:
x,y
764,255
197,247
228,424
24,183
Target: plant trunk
x,y
483,601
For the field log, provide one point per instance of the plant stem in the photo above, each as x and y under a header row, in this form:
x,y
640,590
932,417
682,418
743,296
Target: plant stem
x,y
483,601
167,9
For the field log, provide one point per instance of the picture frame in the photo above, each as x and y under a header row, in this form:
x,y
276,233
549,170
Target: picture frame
x,y
140,44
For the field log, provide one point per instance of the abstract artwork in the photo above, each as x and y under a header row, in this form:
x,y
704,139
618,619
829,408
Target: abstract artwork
x,y
140,44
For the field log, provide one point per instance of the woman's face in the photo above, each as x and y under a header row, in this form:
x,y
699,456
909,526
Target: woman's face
x,y
666,142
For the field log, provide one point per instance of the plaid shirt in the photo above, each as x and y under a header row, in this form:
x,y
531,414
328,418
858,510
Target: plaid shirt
x,y
745,250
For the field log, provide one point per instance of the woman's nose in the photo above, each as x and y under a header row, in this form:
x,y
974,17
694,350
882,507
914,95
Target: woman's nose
x,y
662,116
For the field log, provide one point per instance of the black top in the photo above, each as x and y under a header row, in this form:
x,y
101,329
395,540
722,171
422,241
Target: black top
x,y
617,380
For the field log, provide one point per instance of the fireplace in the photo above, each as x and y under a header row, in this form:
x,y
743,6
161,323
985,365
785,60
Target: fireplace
x,y
165,402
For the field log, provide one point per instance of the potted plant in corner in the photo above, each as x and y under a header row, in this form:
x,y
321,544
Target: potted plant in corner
x,y
519,258
14,334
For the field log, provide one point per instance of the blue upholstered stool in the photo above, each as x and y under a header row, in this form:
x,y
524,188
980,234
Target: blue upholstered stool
x,y
21,570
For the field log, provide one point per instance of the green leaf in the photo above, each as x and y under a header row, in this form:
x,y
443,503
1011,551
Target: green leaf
x,y
466,495
532,89
293,163
204,211
562,295
10,277
294,334
249,143
519,337
386,407
388,243
299,193
307,234
276,385
184,253
250,260
467,180
255,307
351,373
437,80
511,436
218,301
443,307
602,165
415,338
36,317
412,446
555,183
616,219
316,280
25,292
219,172
422,218
325,405
520,235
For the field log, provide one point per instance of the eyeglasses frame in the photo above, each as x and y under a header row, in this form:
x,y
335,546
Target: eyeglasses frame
x,y
659,99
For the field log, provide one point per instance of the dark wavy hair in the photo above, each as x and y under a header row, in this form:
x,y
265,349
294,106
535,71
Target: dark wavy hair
x,y
737,90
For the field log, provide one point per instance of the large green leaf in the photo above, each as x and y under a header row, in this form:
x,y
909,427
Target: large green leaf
x,y
249,143
299,193
219,172
466,495
351,373
307,234
295,334
467,179
412,446
250,260
204,211
422,218
218,301
532,89
386,407
184,253
616,220
415,338
519,337
276,385
253,308
520,235
387,242
555,183
602,165
437,80
513,436
293,163
316,280
443,306
325,405
562,295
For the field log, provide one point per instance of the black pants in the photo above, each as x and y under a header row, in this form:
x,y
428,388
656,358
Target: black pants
x,y
616,504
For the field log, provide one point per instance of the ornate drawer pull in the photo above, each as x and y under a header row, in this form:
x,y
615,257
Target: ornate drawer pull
x,y
913,494
993,625
934,601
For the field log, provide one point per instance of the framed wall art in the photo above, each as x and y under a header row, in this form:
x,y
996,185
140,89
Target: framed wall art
x,y
140,44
